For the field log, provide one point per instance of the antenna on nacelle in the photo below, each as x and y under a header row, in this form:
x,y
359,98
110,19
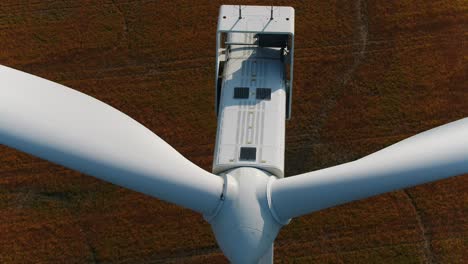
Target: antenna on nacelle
x,y
271,13
240,12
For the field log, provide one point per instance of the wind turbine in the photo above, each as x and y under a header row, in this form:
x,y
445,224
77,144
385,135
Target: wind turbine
x,y
246,199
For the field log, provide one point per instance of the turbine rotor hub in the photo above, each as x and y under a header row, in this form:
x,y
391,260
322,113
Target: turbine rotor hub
x,y
243,224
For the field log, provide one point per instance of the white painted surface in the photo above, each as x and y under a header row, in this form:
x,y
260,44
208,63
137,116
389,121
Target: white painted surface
x,y
244,227
69,128
256,19
251,122
436,154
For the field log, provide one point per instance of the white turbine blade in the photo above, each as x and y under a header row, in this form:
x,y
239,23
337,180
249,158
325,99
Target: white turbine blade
x,y
72,129
432,155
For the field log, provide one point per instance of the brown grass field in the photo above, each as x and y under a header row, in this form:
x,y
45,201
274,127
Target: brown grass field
x,y
367,74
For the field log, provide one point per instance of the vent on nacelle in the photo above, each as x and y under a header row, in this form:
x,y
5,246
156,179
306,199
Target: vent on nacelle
x,y
263,94
248,154
241,93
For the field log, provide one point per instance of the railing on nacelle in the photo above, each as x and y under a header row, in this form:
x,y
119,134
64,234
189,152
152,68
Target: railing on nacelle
x,y
271,24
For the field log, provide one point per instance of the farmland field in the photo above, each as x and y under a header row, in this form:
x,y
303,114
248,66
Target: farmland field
x,y
367,74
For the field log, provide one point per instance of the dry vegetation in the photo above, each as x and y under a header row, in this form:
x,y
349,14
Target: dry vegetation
x,y
368,74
